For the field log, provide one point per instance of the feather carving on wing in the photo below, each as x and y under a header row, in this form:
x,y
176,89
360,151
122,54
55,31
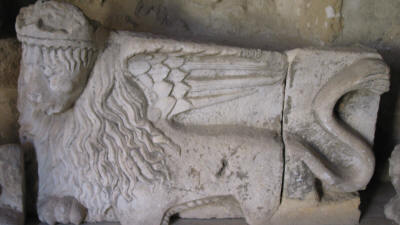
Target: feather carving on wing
x,y
175,83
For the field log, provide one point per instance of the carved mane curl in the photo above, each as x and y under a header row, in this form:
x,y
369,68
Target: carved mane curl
x,y
115,145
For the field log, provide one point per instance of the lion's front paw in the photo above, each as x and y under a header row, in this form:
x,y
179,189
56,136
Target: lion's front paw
x,y
61,210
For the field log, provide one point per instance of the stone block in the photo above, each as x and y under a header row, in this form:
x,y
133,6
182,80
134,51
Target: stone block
x,y
331,104
340,210
141,127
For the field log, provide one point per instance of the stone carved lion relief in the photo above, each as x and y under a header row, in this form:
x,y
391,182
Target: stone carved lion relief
x,y
148,127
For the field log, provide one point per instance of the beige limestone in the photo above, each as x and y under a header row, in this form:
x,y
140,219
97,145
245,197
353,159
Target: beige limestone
x,y
257,23
372,23
280,24
161,111
341,210
331,110
226,209
143,127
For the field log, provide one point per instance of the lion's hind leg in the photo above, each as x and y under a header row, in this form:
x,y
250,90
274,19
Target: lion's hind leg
x,y
257,203
257,200
258,184
255,214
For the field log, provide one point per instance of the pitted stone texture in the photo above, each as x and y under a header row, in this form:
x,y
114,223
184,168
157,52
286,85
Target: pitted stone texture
x,y
226,209
12,185
329,122
64,210
341,209
206,153
371,23
163,126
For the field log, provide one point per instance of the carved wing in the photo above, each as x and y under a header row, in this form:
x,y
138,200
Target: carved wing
x,y
179,82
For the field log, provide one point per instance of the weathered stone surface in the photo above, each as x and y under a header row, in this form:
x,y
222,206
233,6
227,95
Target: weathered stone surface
x,y
247,23
226,209
147,127
12,185
371,23
392,208
340,209
376,24
329,122
162,136
278,25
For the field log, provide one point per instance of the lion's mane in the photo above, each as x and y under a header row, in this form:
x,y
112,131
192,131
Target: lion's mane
x,y
104,145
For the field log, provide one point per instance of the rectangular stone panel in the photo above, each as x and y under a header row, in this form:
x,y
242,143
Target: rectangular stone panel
x,y
140,127
329,115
